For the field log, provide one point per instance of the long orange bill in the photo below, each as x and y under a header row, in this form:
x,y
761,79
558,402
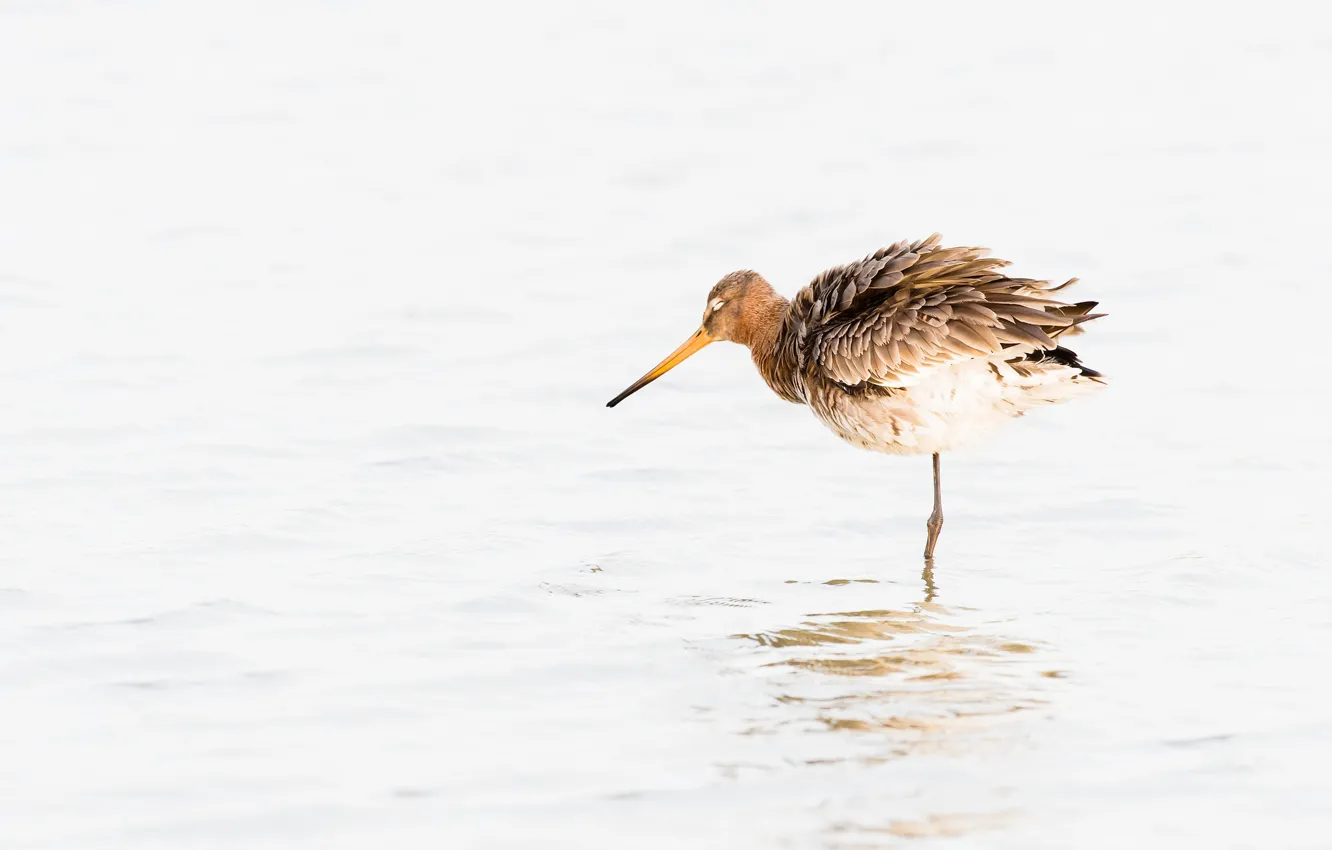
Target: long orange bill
x,y
678,356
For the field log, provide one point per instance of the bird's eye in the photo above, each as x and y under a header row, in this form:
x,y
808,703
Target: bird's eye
x,y
717,304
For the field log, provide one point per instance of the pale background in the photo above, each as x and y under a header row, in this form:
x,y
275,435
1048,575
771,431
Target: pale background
x,y
314,532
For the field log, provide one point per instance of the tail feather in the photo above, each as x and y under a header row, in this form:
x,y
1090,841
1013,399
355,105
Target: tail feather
x,y
1064,357
1080,312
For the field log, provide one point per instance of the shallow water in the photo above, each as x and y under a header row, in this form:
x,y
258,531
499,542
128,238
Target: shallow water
x,y
314,531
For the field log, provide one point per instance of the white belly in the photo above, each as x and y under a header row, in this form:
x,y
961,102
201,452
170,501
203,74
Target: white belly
x,y
948,407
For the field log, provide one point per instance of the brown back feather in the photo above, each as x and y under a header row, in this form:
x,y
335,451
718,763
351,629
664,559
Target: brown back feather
x,y
914,306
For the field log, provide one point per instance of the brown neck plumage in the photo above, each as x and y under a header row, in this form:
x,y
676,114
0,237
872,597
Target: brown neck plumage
x,y
760,329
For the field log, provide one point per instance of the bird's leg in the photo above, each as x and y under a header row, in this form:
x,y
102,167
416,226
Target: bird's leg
x,y
935,522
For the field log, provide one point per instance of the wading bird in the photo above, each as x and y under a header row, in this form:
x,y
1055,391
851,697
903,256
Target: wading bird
x,y
915,349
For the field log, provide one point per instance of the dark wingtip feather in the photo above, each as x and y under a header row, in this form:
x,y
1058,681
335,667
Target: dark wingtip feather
x,y
1067,357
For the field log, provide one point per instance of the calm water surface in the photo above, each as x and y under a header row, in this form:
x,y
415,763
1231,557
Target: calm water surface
x,y
314,531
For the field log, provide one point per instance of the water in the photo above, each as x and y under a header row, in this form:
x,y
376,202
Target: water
x,y
314,531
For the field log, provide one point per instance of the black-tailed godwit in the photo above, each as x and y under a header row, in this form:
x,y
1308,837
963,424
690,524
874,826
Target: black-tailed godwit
x,y
915,349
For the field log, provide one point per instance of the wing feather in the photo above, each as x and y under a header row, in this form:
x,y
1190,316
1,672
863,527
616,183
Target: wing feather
x,y
914,306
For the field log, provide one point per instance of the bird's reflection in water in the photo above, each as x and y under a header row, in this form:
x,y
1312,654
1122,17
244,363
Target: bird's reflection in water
x,y
936,825
920,679
927,576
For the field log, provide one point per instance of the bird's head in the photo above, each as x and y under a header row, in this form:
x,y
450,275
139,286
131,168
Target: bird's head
x,y
729,315
726,315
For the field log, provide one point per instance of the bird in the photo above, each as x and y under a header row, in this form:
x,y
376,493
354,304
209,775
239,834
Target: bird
x,y
916,349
